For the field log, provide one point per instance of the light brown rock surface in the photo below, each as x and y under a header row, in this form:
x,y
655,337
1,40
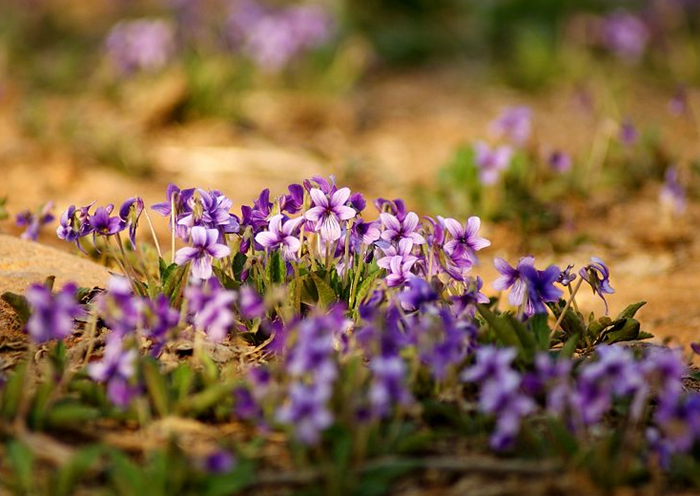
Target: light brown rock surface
x,y
23,263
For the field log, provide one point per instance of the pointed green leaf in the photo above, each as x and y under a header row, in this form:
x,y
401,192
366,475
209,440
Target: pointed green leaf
x,y
19,304
631,310
326,295
501,327
156,386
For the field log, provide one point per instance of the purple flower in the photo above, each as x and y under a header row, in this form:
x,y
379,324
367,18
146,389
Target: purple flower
x,y
398,261
204,248
52,316
365,233
250,303
567,277
695,347
540,287
140,45
210,210
396,230
74,224
672,192
118,306
625,35
158,318
211,310
679,104
294,201
628,133
465,303
327,213
281,234
597,275
129,214
306,410
388,384
116,368
491,162
418,293
514,124
559,161
465,239
104,225
34,221
500,393
219,462
512,278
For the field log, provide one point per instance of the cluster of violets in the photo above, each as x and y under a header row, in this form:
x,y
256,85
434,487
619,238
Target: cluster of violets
x,y
512,130
418,317
272,37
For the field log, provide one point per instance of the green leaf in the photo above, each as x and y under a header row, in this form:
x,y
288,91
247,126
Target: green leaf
x,y
210,397
502,328
541,330
225,279
569,348
233,482
126,476
365,286
377,480
19,304
525,335
173,281
13,391
70,415
326,295
22,461
239,261
276,268
156,386
631,310
70,474
626,330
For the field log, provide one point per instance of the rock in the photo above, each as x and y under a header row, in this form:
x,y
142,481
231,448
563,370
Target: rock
x,y
24,262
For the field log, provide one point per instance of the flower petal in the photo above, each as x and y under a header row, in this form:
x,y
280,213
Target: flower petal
x,y
455,228
340,197
318,198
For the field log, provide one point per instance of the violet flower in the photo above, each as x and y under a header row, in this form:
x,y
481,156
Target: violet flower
x,y
559,161
398,261
119,307
211,309
104,225
116,368
34,221
388,386
491,162
672,192
597,275
328,212
567,277
625,35
396,230
512,278
52,316
628,133
140,45
74,225
158,318
219,462
465,239
514,123
205,247
210,210
281,234
540,287
306,410
129,214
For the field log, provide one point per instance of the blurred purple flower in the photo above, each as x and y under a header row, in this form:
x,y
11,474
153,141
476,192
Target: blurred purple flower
x,y
672,192
219,462
211,310
116,368
306,410
514,124
628,133
491,162
540,287
52,316
140,45
34,221
388,386
129,214
559,161
626,35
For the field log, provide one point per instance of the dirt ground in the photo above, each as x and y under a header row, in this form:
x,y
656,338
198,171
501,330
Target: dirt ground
x,y
385,138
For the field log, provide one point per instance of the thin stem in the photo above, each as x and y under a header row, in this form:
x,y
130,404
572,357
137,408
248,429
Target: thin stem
x,y
153,233
568,304
172,229
91,336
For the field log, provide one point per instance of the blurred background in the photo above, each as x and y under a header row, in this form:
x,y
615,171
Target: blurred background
x,y
570,126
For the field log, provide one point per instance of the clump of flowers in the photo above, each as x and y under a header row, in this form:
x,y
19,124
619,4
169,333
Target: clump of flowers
x,y
140,45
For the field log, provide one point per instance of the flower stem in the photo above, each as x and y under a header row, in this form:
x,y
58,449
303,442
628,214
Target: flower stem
x,y
153,233
568,304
